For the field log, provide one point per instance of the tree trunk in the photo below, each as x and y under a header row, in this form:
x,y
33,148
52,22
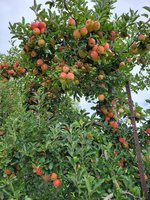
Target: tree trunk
x,y
137,144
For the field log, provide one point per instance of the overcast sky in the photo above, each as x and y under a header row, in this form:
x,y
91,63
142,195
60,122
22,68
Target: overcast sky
x,y
13,10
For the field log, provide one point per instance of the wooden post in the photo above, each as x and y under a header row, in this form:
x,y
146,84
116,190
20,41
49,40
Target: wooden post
x,y
137,144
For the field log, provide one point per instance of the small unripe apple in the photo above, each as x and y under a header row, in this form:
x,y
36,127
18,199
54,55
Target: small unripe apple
x,y
41,42
122,64
137,115
101,77
82,54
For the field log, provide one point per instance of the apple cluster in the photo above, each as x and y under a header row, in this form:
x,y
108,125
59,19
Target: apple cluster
x,y
38,27
14,69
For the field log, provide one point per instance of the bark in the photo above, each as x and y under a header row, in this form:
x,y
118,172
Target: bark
x,y
137,144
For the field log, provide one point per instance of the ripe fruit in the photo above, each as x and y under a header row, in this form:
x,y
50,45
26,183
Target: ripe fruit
x,y
91,42
101,97
79,63
8,172
36,31
148,130
107,118
95,48
141,37
76,34
113,33
106,46
53,176
89,24
42,30
41,25
56,183
83,31
39,62
62,75
126,145
100,49
71,22
93,55
41,42
65,68
70,76
34,25
114,124
110,114
14,65
96,26
122,140
38,172
11,71
44,67
21,70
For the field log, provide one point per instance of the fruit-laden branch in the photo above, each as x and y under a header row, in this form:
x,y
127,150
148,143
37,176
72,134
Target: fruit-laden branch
x,y
137,144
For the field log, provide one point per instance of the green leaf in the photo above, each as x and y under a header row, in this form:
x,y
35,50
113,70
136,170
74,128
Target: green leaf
x,y
147,8
145,15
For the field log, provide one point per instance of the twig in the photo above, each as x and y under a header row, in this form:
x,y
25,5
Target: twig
x,y
65,5
128,193
109,197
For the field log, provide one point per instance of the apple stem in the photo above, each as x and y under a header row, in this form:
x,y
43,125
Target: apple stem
x,y
136,142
